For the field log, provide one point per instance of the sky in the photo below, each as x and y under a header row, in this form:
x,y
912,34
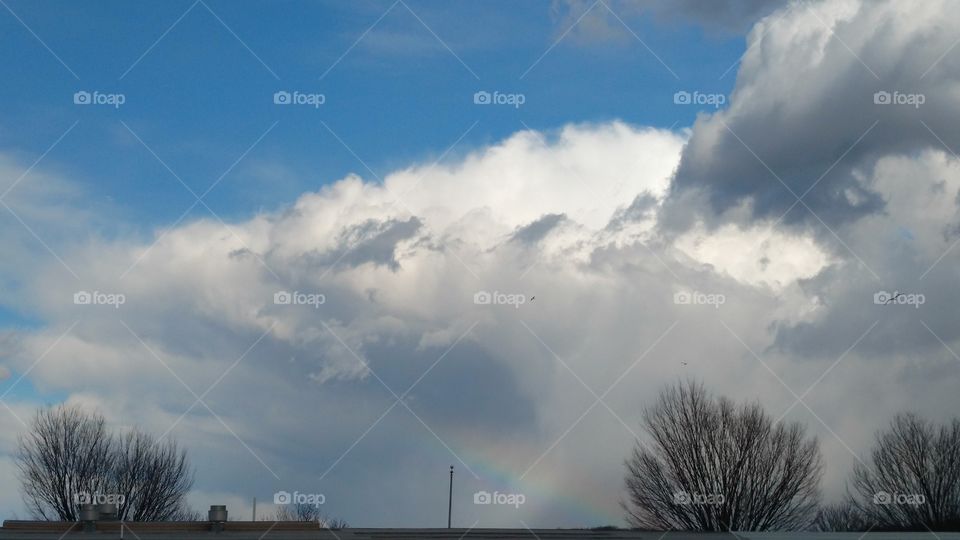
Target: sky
x,y
337,247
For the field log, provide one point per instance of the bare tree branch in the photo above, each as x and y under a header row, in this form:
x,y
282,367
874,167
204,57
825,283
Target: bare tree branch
x,y
69,452
842,517
713,466
66,452
911,481
153,477
307,512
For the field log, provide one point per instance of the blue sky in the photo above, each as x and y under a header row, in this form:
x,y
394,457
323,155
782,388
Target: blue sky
x,y
200,96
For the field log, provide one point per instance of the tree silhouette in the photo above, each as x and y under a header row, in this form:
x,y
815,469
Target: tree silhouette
x,y
69,454
912,479
714,466
307,512
842,517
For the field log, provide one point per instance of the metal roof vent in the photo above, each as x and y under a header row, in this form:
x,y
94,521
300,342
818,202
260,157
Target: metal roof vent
x,y
107,512
217,516
89,515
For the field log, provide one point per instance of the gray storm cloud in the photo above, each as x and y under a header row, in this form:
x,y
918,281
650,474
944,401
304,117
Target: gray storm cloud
x,y
824,90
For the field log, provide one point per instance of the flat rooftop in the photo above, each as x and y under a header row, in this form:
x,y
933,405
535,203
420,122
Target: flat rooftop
x,y
266,530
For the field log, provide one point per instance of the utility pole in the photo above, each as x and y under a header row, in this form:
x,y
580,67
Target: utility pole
x,y
450,499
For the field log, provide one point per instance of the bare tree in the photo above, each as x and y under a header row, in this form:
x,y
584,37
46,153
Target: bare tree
x,y
297,512
912,480
65,452
714,466
69,453
153,477
307,512
841,517
336,523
